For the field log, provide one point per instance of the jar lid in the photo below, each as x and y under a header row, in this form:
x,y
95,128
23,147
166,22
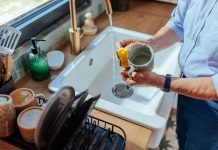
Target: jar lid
x,y
29,118
4,99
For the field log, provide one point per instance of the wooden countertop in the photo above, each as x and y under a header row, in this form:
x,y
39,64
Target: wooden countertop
x,y
143,16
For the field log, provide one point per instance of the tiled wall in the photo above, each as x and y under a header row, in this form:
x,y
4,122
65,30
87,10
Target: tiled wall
x,y
54,36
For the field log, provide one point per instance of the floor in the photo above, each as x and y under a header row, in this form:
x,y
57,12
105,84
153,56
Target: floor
x,y
169,140
151,16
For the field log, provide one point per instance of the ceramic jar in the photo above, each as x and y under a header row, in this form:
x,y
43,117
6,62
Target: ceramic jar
x,y
27,121
24,98
7,116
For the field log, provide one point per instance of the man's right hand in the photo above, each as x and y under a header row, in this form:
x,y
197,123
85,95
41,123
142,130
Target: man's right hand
x,y
126,42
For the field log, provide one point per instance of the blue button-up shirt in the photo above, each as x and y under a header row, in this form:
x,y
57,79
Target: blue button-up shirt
x,y
196,22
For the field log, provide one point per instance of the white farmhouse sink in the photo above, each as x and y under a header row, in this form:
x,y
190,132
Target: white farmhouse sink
x,y
93,69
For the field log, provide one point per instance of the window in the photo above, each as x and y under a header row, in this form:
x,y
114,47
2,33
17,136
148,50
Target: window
x,y
33,16
10,9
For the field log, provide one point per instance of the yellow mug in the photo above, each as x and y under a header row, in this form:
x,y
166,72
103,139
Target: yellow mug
x,y
27,121
24,98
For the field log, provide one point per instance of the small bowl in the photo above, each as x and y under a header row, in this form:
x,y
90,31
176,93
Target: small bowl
x,y
27,121
55,59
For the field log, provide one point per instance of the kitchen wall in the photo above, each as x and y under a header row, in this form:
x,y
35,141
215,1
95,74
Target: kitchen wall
x,y
55,35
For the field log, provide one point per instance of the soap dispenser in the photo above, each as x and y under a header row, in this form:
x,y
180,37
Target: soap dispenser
x,y
38,62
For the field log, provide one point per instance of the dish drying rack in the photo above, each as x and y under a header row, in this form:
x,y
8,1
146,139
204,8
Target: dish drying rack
x,y
115,135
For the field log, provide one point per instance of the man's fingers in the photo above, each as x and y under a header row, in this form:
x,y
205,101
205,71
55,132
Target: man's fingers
x,y
124,73
130,82
126,69
124,43
134,74
124,76
127,42
121,43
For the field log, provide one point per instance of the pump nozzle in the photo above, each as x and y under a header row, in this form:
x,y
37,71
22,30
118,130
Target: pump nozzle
x,y
35,48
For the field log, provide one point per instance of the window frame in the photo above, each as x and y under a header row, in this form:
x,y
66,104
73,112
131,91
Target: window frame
x,y
38,19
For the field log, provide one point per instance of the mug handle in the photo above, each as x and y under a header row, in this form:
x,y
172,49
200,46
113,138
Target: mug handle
x,y
41,99
130,71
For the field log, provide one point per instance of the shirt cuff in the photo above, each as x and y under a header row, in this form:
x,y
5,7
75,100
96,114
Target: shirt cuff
x,y
215,82
175,28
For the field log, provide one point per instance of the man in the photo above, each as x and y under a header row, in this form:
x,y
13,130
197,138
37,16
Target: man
x,y
196,22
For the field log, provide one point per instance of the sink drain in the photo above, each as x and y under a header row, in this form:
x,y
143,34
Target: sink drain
x,y
122,91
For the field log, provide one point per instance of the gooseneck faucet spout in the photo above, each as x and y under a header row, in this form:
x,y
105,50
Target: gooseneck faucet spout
x,y
74,31
108,7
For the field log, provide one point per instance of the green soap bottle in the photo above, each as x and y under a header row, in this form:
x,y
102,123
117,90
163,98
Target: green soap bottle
x,y
38,62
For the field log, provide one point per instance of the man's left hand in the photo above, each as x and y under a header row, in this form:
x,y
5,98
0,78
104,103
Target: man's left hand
x,y
142,78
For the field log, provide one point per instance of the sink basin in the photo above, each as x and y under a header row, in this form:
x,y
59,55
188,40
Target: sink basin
x,y
95,69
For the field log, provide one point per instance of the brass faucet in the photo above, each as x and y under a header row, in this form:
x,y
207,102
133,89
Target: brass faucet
x,y
75,31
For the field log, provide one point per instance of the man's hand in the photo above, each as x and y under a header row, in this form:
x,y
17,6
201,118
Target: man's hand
x,y
127,42
143,78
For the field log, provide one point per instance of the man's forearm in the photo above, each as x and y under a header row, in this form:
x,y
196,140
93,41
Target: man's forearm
x,y
164,38
201,88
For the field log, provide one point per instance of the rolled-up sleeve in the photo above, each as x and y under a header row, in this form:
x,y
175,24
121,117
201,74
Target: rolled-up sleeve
x,y
215,82
177,18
